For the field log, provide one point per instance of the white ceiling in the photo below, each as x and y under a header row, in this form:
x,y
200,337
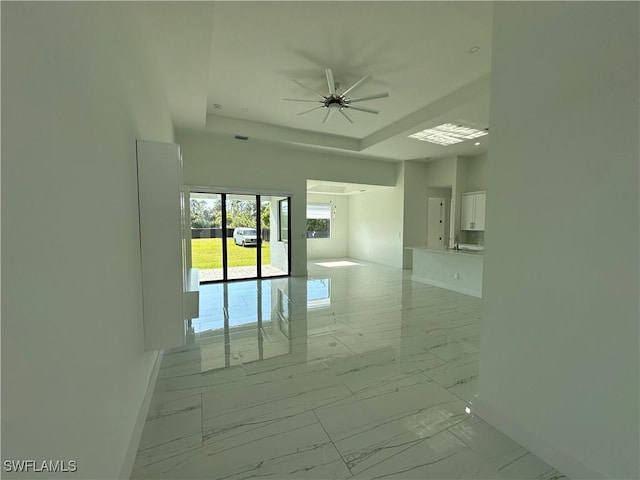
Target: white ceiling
x,y
243,56
340,188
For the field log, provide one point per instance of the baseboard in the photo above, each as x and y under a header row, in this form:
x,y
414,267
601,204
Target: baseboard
x,y
448,286
558,458
132,450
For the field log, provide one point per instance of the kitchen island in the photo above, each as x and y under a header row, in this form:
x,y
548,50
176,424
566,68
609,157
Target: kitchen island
x,y
457,270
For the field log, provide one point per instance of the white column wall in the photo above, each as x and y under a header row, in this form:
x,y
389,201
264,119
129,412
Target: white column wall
x,y
415,209
78,88
559,361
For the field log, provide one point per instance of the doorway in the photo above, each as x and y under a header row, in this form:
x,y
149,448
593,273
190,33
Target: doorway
x,y
439,217
238,236
436,218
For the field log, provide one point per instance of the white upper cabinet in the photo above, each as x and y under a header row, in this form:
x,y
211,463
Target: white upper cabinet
x,y
467,212
472,213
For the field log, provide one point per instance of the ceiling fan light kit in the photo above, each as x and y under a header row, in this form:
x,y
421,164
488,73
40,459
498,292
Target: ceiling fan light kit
x,y
340,102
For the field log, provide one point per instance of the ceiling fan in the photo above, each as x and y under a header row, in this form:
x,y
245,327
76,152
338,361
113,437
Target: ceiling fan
x,y
340,102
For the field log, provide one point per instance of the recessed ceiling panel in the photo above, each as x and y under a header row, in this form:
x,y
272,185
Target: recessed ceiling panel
x,y
418,52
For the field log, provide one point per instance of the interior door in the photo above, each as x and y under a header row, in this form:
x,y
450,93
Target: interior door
x,y
436,222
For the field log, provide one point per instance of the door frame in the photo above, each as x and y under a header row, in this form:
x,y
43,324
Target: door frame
x,y
223,192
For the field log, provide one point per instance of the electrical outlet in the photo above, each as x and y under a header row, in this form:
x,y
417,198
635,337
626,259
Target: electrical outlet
x,y
456,276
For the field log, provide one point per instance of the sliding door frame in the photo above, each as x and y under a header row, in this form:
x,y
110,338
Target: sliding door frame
x,y
224,193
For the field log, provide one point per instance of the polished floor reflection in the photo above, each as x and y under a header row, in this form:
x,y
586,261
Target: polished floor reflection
x,y
354,372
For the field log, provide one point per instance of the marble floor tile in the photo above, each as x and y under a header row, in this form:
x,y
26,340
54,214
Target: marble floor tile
x,y
286,449
172,427
369,443
454,350
442,456
386,414
509,459
284,366
455,373
246,407
377,368
353,372
325,347
466,390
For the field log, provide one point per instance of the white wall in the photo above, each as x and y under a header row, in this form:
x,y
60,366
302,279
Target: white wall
x,y
415,209
220,161
476,173
376,224
559,367
337,245
444,173
471,176
77,90
441,172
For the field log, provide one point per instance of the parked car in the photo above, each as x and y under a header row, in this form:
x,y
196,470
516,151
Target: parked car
x,y
245,236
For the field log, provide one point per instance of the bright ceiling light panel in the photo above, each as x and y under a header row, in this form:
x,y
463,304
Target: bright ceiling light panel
x,y
448,134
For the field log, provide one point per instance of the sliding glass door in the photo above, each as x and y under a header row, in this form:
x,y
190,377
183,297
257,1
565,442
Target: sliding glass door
x,y
239,236
243,243
207,235
276,258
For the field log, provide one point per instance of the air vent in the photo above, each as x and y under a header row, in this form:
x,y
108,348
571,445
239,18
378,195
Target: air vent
x,y
241,137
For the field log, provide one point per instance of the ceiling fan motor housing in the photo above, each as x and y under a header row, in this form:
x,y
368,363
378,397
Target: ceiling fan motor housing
x,y
334,101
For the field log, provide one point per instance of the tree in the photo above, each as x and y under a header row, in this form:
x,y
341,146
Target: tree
x,y
265,215
241,213
205,214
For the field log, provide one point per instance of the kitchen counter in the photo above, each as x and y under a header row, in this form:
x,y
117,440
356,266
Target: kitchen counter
x,y
457,270
449,250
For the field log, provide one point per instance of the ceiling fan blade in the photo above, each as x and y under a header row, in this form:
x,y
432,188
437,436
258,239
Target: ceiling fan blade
x,y
363,109
357,84
301,100
308,88
367,97
326,117
311,110
332,84
346,115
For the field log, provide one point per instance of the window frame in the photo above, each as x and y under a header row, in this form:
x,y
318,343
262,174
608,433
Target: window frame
x,y
329,218
283,234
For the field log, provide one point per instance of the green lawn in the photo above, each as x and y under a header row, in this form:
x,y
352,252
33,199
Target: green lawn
x,y
207,253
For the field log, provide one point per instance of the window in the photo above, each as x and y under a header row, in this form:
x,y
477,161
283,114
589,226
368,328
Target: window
x,y
283,220
318,220
318,293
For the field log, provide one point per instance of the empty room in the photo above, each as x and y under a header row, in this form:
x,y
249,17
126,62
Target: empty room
x,y
323,240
